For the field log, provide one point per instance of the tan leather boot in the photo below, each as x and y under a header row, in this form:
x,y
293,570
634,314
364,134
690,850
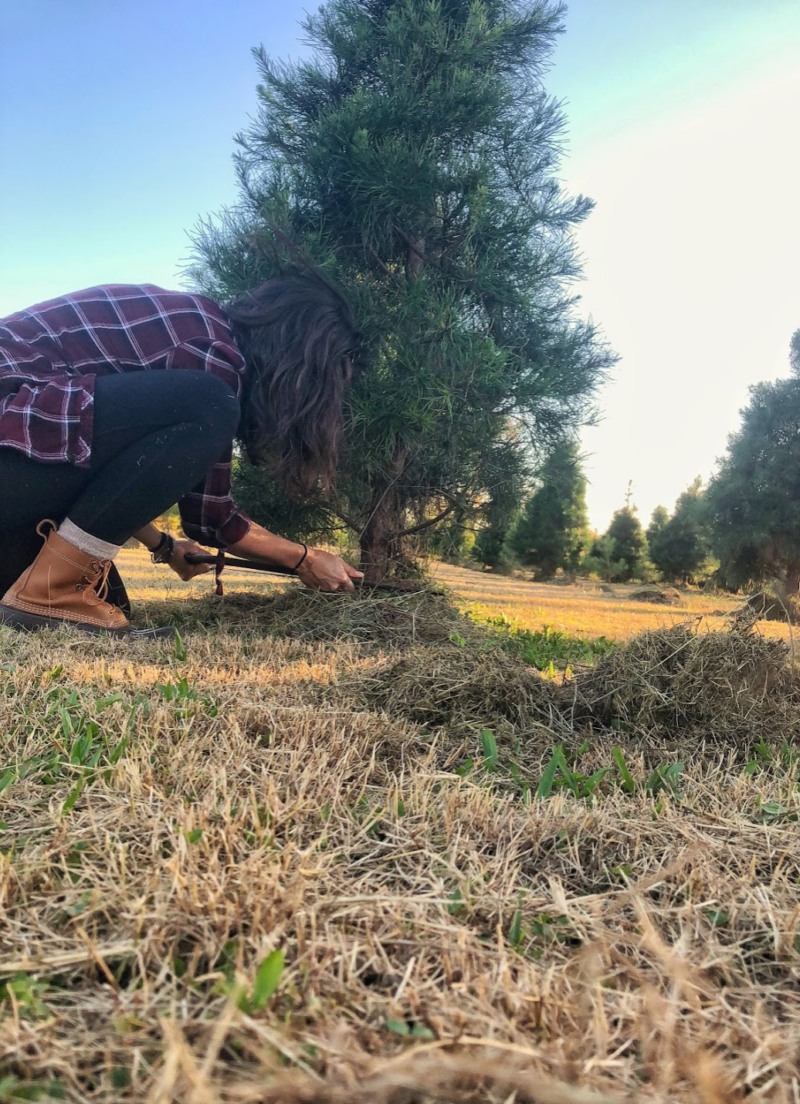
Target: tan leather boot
x,y
61,587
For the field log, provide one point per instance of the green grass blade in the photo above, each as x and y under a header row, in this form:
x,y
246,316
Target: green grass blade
x,y
563,765
489,744
515,931
268,978
628,783
73,796
545,787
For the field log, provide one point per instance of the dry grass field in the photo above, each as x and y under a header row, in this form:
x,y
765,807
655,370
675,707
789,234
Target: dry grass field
x,y
331,850
585,609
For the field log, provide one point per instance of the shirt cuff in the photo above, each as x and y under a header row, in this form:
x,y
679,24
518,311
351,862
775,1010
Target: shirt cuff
x,y
235,529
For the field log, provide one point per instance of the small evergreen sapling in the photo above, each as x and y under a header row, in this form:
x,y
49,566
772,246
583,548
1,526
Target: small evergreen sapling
x,y
680,548
621,553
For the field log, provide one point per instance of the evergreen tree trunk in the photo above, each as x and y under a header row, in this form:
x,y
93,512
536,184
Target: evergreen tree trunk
x,y
380,538
791,583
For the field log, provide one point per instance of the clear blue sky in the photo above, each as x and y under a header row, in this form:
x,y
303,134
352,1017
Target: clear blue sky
x,y
116,125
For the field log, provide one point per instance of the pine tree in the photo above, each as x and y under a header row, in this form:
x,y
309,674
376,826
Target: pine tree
x,y
553,530
681,547
601,561
658,519
491,542
753,500
626,544
413,158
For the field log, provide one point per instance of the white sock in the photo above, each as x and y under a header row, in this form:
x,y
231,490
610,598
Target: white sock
x,y
92,546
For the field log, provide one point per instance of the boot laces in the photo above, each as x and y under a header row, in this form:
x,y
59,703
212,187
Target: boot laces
x,y
96,573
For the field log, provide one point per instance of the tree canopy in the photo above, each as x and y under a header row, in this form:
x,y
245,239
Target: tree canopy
x,y
413,158
658,519
754,497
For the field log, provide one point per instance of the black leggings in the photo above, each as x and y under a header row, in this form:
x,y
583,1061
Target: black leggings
x,y
156,435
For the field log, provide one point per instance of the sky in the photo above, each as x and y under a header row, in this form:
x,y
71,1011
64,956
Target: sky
x,y
116,135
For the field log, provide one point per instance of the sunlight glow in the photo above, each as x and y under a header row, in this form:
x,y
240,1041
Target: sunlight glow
x,y
692,271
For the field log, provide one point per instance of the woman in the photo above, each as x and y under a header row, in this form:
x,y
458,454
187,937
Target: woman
x,y
118,401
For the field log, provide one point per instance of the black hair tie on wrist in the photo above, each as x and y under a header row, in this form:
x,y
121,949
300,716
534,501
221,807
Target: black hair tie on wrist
x,y
164,550
302,558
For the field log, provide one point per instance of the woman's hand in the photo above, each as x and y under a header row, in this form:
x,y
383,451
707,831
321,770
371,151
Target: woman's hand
x,y
182,569
322,571
319,570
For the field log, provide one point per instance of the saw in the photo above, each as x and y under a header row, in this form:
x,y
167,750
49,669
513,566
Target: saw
x,y
220,562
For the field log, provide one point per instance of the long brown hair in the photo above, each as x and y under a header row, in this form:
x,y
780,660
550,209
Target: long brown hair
x,y
297,336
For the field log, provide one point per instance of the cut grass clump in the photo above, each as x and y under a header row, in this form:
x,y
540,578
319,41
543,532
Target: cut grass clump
x,y
461,690
681,685
387,621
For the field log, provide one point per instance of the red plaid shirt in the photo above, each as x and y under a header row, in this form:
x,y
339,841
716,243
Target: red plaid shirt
x,y
50,355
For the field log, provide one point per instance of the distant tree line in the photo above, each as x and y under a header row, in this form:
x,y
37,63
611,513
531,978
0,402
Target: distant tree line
x,y
740,531
550,534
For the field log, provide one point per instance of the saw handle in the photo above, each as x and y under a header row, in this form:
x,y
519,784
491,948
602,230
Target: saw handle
x,y
231,561
251,565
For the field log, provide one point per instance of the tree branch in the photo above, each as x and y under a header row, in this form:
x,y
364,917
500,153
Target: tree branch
x,y
351,523
424,524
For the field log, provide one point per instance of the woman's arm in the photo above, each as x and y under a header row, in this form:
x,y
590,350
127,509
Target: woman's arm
x,y
150,537
319,570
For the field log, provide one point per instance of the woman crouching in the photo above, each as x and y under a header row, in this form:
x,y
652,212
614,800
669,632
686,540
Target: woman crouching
x,y
118,401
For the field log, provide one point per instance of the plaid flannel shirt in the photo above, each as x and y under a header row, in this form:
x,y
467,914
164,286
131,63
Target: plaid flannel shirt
x,y
50,355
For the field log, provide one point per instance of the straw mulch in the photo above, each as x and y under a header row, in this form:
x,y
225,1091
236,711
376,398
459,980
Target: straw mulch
x,y
679,685
291,782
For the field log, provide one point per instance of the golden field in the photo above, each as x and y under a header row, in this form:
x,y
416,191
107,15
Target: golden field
x,y
322,850
583,609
